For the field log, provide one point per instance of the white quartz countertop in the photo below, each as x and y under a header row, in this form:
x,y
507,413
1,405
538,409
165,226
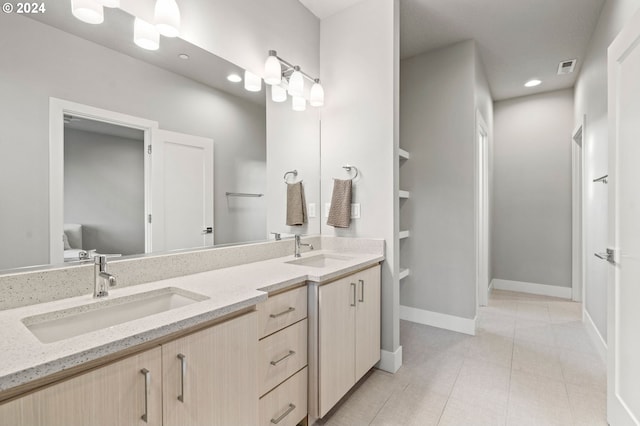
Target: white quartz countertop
x,y
24,358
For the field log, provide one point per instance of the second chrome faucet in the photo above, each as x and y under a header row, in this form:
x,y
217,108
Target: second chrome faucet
x,y
102,280
298,244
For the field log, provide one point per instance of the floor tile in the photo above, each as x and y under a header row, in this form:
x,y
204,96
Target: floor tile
x,y
588,405
483,384
537,400
415,405
537,359
463,413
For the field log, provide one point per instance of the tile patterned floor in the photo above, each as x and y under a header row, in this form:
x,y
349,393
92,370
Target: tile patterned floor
x,y
531,363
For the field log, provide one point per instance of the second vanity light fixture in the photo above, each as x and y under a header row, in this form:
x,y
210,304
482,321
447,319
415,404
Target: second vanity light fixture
x,y
277,71
145,34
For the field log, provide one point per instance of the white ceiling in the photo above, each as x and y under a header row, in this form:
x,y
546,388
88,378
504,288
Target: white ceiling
x,y
517,39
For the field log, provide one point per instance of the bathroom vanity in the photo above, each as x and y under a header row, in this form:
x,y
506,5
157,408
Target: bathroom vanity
x,y
277,341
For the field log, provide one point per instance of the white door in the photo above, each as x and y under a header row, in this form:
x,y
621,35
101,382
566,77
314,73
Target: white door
x,y
182,192
623,369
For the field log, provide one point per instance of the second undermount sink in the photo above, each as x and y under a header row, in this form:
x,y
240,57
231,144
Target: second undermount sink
x,y
59,325
320,260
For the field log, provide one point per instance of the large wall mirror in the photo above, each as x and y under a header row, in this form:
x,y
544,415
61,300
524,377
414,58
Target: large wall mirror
x,y
108,148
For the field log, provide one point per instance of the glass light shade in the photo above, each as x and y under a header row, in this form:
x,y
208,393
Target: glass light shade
x,y
109,3
89,11
167,18
316,97
145,35
278,94
296,83
272,70
252,82
299,103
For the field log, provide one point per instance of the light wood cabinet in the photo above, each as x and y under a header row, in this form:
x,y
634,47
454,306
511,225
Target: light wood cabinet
x,y
348,336
117,394
210,377
287,404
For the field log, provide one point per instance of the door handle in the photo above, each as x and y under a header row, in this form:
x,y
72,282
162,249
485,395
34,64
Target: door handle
x,y
183,372
361,290
208,230
353,286
147,389
608,256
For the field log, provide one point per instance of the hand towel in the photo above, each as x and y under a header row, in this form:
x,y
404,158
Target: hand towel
x,y
340,211
296,205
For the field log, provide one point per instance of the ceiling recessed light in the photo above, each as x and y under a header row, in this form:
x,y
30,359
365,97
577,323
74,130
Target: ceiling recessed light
x,y
234,78
533,83
183,56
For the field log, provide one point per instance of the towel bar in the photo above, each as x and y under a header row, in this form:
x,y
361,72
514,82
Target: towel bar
x,y
290,172
243,194
348,168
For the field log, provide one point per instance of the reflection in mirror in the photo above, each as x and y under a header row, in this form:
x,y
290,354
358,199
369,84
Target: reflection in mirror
x,y
182,89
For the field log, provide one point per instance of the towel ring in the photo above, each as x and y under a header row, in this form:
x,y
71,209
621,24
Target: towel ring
x,y
290,172
348,168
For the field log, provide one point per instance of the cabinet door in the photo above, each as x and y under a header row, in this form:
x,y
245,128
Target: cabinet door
x,y
336,341
210,377
117,394
367,321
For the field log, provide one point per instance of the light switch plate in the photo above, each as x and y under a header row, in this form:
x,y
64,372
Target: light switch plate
x,y
311,210
355,210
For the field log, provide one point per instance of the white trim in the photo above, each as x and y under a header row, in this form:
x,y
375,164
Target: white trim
x,y
57,109
577,216
532,288
482,210
436,319
390,361
596,337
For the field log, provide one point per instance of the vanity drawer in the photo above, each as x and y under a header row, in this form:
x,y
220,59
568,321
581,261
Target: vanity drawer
x,y
286,405
281,355
281,310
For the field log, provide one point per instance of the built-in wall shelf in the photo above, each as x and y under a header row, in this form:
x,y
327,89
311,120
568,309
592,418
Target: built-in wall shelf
x,y
403,194
403,234
404,273
404,155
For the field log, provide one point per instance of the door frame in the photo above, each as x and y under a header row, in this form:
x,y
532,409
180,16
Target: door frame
x,y
481,138
57,109
578,260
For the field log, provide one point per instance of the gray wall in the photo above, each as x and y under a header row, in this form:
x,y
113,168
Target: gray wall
x,y
48,62
591,100
532,189
104,190
437,127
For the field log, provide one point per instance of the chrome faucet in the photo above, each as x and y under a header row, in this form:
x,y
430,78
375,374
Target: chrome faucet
x,y
101,277
298,244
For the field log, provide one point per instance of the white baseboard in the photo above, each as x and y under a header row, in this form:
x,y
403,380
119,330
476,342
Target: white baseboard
x,y
532,288
390,361
596,337
436,319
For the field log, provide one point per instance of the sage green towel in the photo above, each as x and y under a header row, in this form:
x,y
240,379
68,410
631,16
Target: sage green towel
x,y
296,205
340,211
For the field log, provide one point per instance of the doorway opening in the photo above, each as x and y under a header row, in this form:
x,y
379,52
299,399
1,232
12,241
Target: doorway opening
x,y
577,222
482,211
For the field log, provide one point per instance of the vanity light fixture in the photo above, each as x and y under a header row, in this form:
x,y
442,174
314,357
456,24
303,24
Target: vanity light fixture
x,y
167,18
234,78
145,35
281,74
533,83
298,103
89,11
278,94
109,3
252,82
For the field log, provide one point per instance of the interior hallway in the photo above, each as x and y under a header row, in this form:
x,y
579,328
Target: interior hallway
x,y
531,363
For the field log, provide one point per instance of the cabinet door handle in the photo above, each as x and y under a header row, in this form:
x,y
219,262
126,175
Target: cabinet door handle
x,y
361,290
285,312
283,415
147,389
183,373
353,286
278,361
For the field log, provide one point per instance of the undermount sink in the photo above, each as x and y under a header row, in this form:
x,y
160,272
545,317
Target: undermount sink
x,y
59,325
320,260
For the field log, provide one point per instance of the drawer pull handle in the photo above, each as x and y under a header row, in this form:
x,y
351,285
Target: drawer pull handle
x,y
291,309
361,290
353,286
283,415
147,388
183,373
291,353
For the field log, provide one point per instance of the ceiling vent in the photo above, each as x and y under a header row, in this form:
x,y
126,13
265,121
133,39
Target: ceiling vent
x,y
567,67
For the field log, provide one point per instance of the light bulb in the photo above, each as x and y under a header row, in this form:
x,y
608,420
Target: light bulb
x,y
89,11
532,83
252,82
299,103
167,18
296,83
278,94
316,97
109,3
145,35
272,69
